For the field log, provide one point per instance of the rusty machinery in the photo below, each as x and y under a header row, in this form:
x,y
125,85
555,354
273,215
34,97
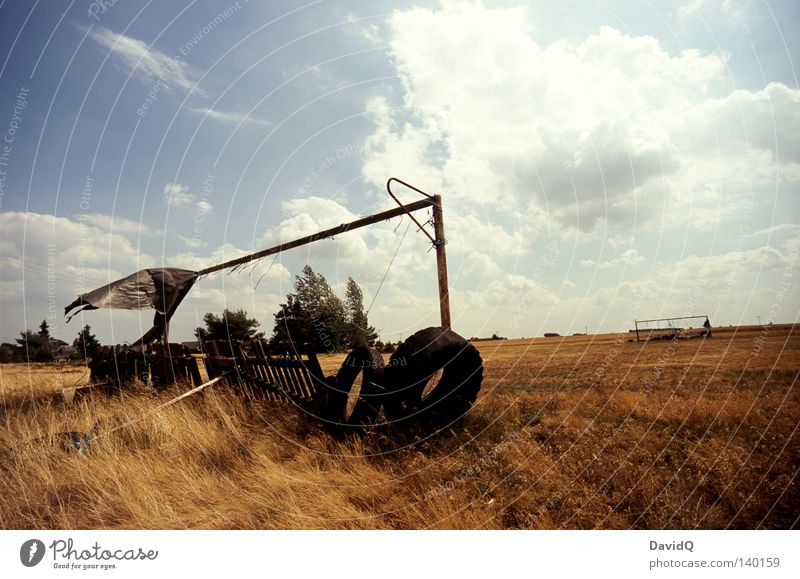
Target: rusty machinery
x,y
433,376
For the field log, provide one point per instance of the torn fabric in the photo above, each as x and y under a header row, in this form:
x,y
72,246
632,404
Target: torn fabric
x,y
162,289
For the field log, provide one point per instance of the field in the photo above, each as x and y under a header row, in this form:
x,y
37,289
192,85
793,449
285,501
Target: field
x,y
582,432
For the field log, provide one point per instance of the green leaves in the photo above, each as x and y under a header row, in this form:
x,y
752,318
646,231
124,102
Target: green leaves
x,y
314,313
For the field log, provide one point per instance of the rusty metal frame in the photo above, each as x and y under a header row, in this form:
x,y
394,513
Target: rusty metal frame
x,y
430,201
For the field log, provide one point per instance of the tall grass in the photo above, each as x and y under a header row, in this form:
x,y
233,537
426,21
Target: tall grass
x,y
711,442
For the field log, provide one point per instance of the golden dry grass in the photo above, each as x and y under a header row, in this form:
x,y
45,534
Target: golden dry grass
x,y
581,432
27,380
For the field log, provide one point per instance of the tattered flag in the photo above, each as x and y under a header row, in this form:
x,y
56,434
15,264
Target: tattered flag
x,y
162,289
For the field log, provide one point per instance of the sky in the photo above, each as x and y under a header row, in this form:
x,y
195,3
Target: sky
x,y
599,162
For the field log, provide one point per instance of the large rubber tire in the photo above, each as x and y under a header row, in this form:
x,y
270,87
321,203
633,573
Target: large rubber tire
x,y
354,400
325,405
431,354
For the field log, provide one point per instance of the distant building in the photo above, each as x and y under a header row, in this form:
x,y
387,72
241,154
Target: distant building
x,y
67,351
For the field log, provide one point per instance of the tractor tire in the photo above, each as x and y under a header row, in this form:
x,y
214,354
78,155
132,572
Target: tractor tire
x,y
324,407
433,376
354,400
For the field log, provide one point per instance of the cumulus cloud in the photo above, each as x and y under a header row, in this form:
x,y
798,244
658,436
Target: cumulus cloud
x,y
480,264
204,207
612,131
48,260
192,242
619,241
629,257
31,236
363,253
117,224
177,195
735,286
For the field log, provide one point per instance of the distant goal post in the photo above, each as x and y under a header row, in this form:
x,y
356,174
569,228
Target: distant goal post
x,y
679,327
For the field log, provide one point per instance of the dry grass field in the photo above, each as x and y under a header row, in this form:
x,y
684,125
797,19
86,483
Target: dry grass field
x,y
582,432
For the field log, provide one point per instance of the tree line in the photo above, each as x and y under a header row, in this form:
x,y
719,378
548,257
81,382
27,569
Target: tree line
x,y
42,346
312,313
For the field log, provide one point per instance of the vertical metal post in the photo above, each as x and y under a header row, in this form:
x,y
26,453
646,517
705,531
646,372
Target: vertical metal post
x,y
165,339
635,323
441,261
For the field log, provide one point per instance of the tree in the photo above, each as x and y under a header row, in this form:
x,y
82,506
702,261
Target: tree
x,y
359,333
44,330
9,353
87,345
291,322
314,313
325,317
36,347
232,325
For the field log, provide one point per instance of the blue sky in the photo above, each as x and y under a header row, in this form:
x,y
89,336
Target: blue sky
x,y
599,162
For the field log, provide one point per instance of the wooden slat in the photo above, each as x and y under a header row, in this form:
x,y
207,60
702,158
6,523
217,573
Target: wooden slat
x,y
295,377
314,371
291,369
299,371
288,378
261,368
268,385
299,375
273,376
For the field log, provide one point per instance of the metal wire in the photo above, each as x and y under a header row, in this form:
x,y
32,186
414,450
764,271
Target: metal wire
x,y
383,279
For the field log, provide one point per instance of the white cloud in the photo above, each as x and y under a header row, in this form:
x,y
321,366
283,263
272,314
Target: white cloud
x,y
230,117
745,123
734,286
51,260
192,242
34,236
469,232
689,10
735,11
612,132
47,261
480,264
117,224
503,305
780,228
365,30
177,195
627,258
363,253
145,61
619,241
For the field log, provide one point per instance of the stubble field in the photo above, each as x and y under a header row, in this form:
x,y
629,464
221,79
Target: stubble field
x,y
579,433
